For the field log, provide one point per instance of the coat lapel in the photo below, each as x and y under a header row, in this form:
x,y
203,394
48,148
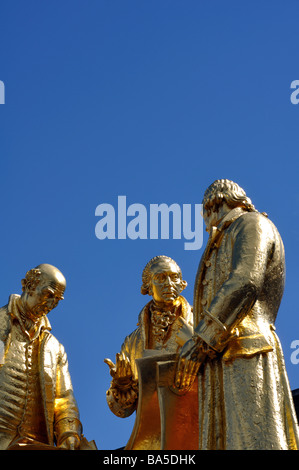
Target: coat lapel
x,y
214,241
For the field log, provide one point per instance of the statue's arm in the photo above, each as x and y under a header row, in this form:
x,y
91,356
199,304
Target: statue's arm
x,y
67,423
253,241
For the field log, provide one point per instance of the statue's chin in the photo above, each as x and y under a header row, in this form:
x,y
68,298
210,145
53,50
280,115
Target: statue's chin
x,y
38,312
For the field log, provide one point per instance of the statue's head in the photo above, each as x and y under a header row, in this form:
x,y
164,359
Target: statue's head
x,y
223,194
162,279
43,287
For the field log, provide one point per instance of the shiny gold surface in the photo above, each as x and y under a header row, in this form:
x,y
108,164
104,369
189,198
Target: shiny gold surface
x,y
134,374
146,434
178,412
244,398
37,405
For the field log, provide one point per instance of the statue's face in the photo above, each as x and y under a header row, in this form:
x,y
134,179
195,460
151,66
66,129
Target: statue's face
x,y
166,283
43,299
214,217
210,219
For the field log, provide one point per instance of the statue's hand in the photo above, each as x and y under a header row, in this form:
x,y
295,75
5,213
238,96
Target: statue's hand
x,y
121,371
191,357
123,387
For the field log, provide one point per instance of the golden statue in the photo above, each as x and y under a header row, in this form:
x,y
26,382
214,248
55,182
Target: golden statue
x,y
38,409
244,398
134,385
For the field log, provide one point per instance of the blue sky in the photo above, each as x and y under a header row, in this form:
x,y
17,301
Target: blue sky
x,y
153,100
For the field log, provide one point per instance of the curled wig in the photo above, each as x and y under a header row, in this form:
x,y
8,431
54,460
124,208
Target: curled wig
x,y
226,191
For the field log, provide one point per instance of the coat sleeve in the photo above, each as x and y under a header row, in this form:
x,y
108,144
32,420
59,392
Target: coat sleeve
x,y
66,413
252,247
5,328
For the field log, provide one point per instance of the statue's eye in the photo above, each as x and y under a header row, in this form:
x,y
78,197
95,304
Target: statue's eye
x,y
48,294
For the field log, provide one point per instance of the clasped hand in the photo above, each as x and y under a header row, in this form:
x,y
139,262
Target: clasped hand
x,y
191,357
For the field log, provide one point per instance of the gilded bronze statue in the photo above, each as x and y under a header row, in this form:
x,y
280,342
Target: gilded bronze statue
x,y
155,339
244,398
38,409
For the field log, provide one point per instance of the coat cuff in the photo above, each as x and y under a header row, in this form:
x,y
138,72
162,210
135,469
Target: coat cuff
x,y
119,407
66,427
211,330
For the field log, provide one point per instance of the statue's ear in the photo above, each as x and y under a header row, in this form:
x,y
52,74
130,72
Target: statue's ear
x,y
183,285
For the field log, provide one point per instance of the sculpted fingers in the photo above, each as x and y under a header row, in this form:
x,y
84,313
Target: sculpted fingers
x,y
191,374
123,366
120,365
111,366
179,377
188,366
109,362
127,365
188,375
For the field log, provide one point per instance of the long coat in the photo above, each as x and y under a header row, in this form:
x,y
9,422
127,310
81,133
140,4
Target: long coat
x,y
245,400
59,404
